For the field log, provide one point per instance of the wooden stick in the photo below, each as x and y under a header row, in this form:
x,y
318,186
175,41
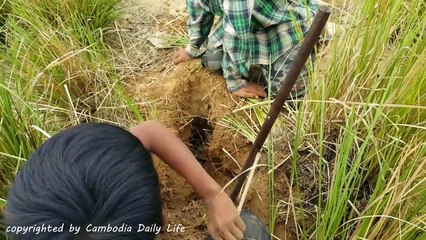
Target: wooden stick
x,y
248,183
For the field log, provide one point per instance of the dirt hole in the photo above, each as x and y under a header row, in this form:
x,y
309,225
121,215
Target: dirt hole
x,y
201,131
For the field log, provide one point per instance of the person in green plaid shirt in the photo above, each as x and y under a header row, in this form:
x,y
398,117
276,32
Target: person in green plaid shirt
x,y
250,32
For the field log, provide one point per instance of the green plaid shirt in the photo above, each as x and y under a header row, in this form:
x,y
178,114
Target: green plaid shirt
x,y
249,35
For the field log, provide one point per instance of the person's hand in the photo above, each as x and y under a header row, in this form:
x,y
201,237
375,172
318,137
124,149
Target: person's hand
x,y
251,90
224,222
181,56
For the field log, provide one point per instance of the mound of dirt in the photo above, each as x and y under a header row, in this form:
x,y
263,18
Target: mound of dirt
x,y
192,101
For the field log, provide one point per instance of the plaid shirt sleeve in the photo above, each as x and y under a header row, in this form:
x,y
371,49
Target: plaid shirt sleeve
x,y
236,62
199,25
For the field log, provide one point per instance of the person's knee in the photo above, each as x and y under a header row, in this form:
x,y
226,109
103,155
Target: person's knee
x,y
212,60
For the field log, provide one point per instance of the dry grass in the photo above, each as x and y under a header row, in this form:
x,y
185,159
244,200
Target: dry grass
x,y
129,40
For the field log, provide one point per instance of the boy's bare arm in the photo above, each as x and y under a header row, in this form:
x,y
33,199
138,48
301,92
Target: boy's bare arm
x,y
224,221
162,142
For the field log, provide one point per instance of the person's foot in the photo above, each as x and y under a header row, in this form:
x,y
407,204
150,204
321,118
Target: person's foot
x,y
251,90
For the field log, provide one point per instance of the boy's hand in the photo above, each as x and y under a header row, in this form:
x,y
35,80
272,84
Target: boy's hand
x,y
251,90
224,222
181,56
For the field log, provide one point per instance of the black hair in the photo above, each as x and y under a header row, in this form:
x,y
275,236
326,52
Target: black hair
x,y
93,173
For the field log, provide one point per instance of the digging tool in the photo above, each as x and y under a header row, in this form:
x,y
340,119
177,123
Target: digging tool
x,y
306,49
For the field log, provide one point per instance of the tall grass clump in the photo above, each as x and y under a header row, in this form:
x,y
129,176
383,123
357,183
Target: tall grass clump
x,y
377,82
21,133
55,72
365,121
86,20
50,44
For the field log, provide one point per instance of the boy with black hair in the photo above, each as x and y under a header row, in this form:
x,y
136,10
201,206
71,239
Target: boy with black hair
x,y
250,32
95,176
